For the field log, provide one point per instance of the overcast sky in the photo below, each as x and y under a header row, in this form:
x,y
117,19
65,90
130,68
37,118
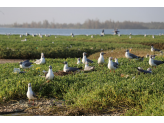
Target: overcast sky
x,y
9,15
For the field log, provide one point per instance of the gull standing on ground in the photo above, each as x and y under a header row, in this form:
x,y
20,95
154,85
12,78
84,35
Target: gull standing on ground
x,y
84,59
67,69
101,58
131,56
87,67
30,93
41,60
112,65
153,62
50,74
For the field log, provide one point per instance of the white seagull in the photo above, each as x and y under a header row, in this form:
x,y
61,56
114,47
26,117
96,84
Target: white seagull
x,y
68,69
153,62
87,67
24,39
112,65
131,56
30,93
116,61
41,60
50,74
101,58
149,70
84,59
78,61
25,65
153,49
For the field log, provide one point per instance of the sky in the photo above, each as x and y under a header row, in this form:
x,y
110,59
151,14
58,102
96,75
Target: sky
x,y
80,12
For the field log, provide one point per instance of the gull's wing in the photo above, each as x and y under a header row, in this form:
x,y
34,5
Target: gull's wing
x,y
88,60
158,62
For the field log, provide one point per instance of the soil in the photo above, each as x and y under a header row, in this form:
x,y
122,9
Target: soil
x,y
48,107
3,61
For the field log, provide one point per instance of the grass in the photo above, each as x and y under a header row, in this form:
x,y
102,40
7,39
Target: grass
x,y
97,90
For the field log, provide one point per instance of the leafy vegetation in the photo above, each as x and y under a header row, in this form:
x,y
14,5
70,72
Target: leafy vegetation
x,y
92,91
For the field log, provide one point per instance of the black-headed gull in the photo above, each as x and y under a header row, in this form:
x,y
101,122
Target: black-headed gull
x,y
131,56
153,49
149,70
41,60
67,69
153,62
116,61
112,65
50,74
30,93
87,67
78,61
25,65
84,59
101,58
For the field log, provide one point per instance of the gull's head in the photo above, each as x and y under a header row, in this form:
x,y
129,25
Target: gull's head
x,y
102,53
42,54
29,84
20,62
65,63
50,67
139,68
78,59
110,58
149,69
150,56
84,53
127,50
151,46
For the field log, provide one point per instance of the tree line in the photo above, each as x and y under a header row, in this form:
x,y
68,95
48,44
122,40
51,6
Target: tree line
x,y
90,24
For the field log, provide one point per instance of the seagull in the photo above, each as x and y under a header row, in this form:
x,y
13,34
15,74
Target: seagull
x,y
153,49
78,61
25,64
20,36
50,74
87,67
24,39
84,59
149,70
112,65
116,61
131,56
27,34
91,36
67,69
30,93
153,62
101,58
41,60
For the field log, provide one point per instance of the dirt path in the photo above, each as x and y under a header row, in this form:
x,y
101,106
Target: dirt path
x,y
3,61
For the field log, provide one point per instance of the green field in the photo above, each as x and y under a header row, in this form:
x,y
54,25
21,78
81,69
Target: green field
x,y
92,91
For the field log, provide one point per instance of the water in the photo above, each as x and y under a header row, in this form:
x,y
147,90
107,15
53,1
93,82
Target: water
x,y
67,32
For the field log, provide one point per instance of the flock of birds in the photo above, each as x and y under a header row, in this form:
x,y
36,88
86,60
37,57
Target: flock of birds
x,y
112,65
